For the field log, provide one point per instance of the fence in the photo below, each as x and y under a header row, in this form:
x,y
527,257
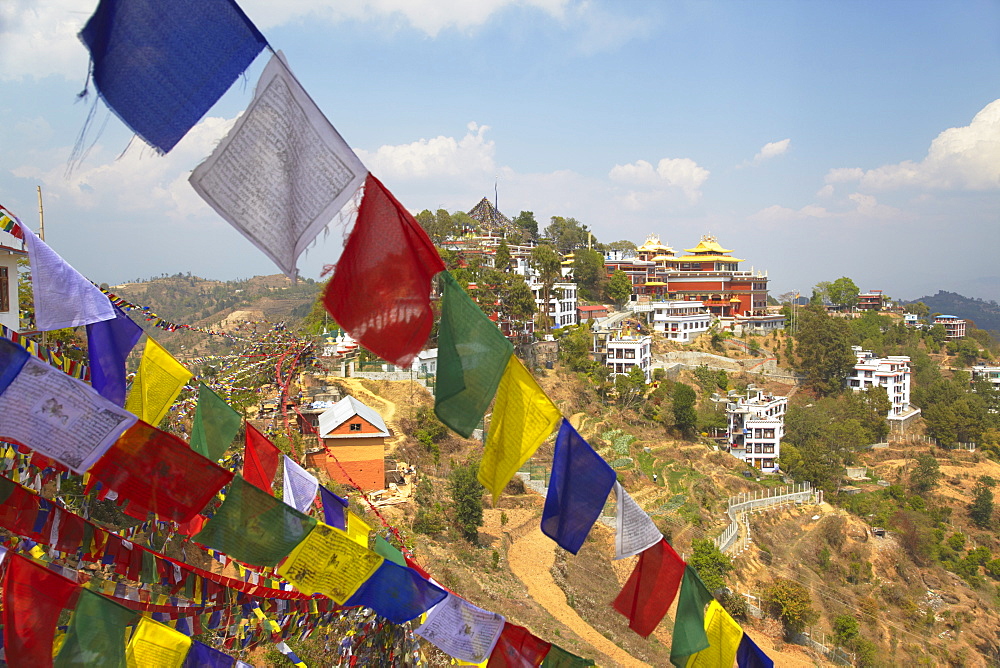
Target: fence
x,y
920,439
813,638
745,503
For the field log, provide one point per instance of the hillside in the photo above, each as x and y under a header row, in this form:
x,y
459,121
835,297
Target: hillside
x,y
986,314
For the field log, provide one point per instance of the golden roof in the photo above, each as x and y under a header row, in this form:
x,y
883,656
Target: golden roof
x,y
659,258
708,244
652,243
655,283
706,258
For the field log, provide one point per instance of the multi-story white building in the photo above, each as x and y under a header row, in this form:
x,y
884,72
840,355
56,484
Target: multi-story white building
x,y
954,327
892,373
562,302
625,350
681,321
990,373
756,427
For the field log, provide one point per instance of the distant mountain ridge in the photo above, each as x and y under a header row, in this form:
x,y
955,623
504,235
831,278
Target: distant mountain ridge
x,y
985,314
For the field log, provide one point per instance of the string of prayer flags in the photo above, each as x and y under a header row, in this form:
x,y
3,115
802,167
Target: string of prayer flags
x,y
202,656
260,459
462,630
635,531
254,527
651,588
357,529
724,636
334,508
161,66
329,563
578,489
12,360
160,473
156,644
158,382
397,593
749,655
380,291
300,486
215,424
517,647
689,635
108,344
10,224
523,417
472,357
96,634
560,658
283,172
33,598
57,415
62,296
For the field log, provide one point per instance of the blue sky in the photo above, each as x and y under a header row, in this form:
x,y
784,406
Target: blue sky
x,y
817,139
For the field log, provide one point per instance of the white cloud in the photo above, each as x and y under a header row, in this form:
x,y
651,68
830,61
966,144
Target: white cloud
x,y
825,191
776,215
771,150
964,158
38,39
857,208
468,157
670,176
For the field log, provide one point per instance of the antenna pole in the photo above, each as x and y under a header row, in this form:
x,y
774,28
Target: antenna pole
x,y
41,215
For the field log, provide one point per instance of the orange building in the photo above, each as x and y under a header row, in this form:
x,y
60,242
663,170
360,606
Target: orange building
x,y
353,435
707,273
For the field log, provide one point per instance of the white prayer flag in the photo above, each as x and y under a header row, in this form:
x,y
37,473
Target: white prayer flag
x,y
635,532
283,172
60,417
462,630
63,296
300,486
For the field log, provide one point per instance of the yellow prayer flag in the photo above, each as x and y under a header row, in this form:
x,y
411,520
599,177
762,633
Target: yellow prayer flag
x,y
523,417
158,382
724,636
357,529
156,645
329,562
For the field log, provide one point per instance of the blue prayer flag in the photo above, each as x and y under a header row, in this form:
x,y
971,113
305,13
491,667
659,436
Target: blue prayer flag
x,y
12,359
108,343
750,656
399,594
203,656
580,483
333,509
160,66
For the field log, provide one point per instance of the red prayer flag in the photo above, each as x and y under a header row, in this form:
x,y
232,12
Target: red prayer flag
x,y
380,292
517,647
160,472
651,588
260,460
33,597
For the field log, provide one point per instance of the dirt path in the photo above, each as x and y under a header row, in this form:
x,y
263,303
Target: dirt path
x,y
531,558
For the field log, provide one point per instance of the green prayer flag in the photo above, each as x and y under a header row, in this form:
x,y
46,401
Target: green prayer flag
x,y
96,634
387,550
216,424
560,658
7,488
689,626
149,574
254,527
472,356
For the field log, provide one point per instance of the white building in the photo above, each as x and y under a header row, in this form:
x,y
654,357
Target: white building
x,y
892,373
990,373
954,327
562,302
681,321
756,427
625,350
9,308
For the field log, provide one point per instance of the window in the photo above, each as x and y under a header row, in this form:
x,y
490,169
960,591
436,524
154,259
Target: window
x,y
4,290
769,449
355,426
630,354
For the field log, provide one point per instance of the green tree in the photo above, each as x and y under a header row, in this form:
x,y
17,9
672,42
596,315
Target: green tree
x,y
845,630
619,287
589,274
843,292
623,245
712,565
526,221
685,415
516,301
823,346
790,603
981,508
924,477
574,347
919,308
546,262
630,386
502,258
467,500
567,234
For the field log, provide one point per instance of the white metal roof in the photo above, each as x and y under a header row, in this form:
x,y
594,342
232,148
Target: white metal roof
x,y
344,410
